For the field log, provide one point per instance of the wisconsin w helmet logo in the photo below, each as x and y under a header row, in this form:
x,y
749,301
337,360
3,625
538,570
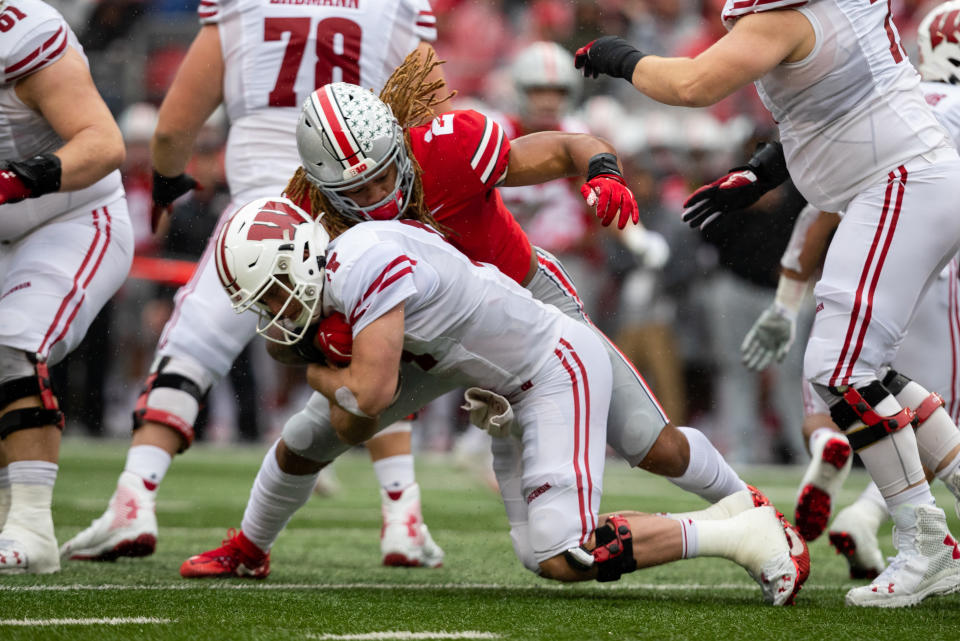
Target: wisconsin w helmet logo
x,y
275,221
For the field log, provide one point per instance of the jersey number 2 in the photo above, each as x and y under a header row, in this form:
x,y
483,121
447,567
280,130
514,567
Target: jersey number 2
x,y
346,57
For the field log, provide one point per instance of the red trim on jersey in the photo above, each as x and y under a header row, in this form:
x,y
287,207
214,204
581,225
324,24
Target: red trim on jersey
x,y
345,147
883,234
40,63
33,54
584,531
586,430
76,284
381,282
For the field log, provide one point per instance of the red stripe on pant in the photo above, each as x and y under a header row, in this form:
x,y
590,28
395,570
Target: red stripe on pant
x,y
864,275
586,430
584,531
76,284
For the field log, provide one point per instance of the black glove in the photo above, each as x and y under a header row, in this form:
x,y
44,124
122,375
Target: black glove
x,y
165,191
740,188
611,55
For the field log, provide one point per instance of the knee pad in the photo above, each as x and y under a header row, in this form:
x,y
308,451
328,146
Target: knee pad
x,y
173,395
21,376
309,434
852,407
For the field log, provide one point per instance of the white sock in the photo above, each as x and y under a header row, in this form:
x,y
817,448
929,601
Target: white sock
x,y
893,462
149,462
707,475
691,538
871,507
718,538
32,473
274,499
4,495
395,473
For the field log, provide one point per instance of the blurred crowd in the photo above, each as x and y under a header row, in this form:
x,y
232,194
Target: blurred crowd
x,y
677,302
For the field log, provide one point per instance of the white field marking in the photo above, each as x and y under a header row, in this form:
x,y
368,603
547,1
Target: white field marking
x,y
320,587
113,621
403,635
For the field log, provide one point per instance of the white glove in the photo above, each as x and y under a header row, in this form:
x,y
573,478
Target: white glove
x,y
649,246
769,339
489,411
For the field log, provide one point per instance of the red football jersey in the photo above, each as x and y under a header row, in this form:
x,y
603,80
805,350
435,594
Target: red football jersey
x,y
463,154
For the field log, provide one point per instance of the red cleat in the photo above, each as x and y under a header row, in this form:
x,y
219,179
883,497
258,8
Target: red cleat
x,y
800,555
759,498
829,465
237,557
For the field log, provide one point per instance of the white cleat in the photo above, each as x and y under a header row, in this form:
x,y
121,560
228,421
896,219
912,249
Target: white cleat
x,y
4,505
830,462
773,554
28,550
927,564
853,537
127,528
404,540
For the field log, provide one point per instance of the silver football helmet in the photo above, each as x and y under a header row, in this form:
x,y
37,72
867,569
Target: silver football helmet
x,y
348,137
271,251
545,65
938,38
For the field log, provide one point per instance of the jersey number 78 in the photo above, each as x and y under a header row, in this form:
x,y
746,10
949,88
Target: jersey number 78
x,y
338,47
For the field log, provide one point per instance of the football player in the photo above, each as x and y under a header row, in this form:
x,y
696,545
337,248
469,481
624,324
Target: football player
x,y
931,347
858,137
66,245
422,317
447,176
260,59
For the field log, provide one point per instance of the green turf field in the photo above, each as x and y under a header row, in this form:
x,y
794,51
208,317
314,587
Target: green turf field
x,y
327,582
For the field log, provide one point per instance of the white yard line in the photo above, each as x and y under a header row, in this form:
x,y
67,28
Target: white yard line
x,y
492,587
102,621
404,635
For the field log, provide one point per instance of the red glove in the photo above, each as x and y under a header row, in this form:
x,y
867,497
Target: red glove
x,y
12,189
610,194
335,339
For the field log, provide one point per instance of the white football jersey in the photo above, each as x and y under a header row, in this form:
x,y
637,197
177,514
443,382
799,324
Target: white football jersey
x,y
455,310
944,99
277,52
852,110
34,36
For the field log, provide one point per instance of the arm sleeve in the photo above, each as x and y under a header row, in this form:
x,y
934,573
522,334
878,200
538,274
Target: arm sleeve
x,y
791,255
38,42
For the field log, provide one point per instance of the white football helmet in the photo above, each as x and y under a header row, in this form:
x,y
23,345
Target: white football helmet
x,y
271,245
938,38
346,138
545,65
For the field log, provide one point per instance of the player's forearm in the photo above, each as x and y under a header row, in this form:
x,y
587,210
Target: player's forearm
x,y
683,82
90,155
171,150
362,391
548,155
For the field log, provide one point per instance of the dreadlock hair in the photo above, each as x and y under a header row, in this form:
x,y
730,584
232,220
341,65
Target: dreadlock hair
x,y
411,98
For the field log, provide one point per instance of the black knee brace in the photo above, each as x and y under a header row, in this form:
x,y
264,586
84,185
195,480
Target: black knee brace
x,y
613,554
895,382
857,407
27,417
